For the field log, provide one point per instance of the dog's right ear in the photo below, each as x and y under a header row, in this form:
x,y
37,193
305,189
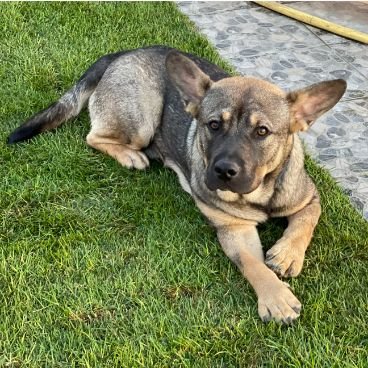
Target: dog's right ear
x,y
189,79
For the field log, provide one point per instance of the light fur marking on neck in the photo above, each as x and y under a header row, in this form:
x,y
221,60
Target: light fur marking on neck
x,y
227,195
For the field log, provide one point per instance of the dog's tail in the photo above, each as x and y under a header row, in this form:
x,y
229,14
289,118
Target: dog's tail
x,y
68,106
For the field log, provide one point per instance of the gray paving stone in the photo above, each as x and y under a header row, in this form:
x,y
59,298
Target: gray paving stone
x,y
293,68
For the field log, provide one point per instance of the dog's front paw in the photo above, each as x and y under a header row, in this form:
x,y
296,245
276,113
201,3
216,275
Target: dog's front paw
x,y
278,303
285,259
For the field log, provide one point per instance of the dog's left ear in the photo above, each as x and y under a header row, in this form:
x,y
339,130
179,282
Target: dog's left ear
x,y
308,104
189,79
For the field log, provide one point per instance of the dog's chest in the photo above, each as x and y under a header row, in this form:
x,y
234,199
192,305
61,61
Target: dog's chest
x,y
253,206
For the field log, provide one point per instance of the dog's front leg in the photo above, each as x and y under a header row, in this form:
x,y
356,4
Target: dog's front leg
x,y
286,257
275,300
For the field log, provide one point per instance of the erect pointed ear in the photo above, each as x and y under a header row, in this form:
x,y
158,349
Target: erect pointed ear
x,y
308,104
191,82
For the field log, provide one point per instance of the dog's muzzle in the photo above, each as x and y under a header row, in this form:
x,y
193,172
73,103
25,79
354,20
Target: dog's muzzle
x,y
226,174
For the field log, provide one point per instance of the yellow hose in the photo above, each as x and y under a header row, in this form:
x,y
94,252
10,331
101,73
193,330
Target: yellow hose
x,y
315,21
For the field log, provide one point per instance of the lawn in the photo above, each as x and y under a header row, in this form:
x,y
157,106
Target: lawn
x,y
105,267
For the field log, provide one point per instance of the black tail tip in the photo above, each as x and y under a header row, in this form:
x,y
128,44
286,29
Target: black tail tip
x,y
23,133
12,139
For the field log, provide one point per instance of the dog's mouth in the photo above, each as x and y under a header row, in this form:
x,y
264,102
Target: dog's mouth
x,y
240,186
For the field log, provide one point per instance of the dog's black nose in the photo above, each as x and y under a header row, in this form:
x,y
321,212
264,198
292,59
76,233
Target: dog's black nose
x,y
226,170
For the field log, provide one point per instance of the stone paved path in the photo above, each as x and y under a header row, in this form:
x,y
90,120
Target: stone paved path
x,y
267,45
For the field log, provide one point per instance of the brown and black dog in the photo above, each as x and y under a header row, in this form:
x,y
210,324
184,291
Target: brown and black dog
x,y
232,141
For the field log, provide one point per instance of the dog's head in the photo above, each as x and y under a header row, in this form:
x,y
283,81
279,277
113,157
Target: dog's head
x,y
245,125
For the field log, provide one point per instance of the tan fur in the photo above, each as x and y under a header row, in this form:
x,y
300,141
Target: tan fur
x,y
192,109
254,119
226,116
239,83
128,156
227,195
218,217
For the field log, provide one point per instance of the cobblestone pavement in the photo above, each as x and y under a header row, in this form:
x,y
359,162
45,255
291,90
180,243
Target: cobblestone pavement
x,y
267,45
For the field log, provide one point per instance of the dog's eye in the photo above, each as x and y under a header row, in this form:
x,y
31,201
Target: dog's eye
x,y
214,124
262,131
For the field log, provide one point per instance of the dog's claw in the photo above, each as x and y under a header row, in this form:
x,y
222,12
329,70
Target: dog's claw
x,y
290,271
288,320
265,314
269,257
274,268
297,309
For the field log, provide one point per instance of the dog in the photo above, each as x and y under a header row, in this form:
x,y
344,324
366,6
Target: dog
x,y
231,140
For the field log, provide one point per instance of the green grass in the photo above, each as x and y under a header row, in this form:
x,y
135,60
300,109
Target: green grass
x,y
105,267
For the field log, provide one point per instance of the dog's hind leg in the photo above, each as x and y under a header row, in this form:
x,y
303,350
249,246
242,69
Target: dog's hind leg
x,y
128,155
124,124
